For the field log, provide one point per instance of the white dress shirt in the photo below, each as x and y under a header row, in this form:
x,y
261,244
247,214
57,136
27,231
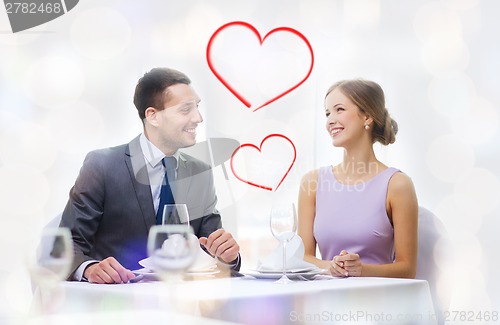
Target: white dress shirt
x,y
156,172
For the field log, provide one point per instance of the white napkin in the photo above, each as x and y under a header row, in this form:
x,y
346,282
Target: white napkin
x,y
294,258
203,261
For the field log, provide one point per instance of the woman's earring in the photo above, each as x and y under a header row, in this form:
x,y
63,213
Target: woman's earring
x,y
367,127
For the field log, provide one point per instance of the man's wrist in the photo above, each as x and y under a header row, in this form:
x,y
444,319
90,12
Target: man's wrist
x,y
232,263
79,274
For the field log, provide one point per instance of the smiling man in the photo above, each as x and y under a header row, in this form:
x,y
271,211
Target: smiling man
x,y
116,197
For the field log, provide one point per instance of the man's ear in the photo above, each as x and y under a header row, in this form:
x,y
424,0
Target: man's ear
x,y
151,115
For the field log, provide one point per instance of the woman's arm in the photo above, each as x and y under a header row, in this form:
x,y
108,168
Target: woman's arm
x,y
307,211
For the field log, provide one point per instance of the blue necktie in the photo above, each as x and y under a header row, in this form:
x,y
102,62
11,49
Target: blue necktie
x,y
166,196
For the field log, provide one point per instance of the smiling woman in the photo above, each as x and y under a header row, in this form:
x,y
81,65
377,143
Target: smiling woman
x,y
365,99
360,213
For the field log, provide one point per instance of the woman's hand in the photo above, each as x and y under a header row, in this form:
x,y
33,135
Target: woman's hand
x,y
346,264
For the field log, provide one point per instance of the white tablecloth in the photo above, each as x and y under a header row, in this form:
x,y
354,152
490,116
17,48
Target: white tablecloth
x,y
121,317
250,301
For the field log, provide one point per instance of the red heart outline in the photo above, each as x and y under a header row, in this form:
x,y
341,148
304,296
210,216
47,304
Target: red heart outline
x,y
260,150
261,40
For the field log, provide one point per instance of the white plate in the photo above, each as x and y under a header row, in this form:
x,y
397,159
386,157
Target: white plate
x,y
200,268
298,270
145,275
143,271
276,275
151,274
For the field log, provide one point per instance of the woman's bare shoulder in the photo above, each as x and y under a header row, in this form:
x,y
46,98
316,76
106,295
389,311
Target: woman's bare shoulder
x,y
311,175
401,182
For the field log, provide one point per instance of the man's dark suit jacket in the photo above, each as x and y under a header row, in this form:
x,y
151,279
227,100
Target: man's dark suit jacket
x,y
110,207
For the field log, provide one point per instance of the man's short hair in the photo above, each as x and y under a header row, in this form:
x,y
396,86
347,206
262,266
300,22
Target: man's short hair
x,y
149,91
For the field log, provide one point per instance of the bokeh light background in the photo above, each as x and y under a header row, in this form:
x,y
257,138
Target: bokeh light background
x,y
66,88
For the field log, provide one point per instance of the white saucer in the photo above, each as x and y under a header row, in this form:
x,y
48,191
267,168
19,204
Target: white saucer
x,y
309,274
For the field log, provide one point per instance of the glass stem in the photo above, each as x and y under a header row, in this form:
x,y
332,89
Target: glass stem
x,y
284,258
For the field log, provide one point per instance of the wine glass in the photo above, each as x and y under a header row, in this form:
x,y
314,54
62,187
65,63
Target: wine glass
x,y
172,249
283,226
50,262
175,214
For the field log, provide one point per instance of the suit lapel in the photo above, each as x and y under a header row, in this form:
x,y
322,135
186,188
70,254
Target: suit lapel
x,y
138,172
183,180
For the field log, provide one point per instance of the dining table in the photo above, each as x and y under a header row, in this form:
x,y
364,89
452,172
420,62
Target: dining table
x,y
247,299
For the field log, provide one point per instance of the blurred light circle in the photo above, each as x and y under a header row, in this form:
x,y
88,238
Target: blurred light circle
x,y
479,124
157,37
440,30
452,96
460,244
462,5
322,21
172,31
444,254
8,121
27,143
455,218
100,33
16,293
24,190
54,82
362,13
31,233
482,300
449,159
190,35
197,29
10,54
469,294
465,292
466,245
443,54
77,128
436,18
478,192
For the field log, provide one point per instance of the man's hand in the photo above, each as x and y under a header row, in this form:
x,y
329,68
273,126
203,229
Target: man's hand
x,y
221,244
108,270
